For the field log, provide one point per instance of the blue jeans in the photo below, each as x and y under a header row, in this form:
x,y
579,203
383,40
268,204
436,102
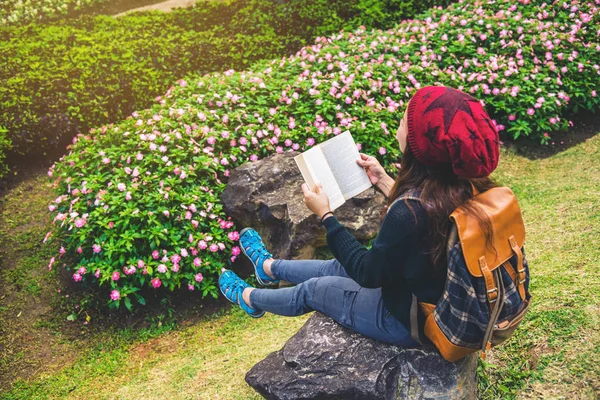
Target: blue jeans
x,y
326,287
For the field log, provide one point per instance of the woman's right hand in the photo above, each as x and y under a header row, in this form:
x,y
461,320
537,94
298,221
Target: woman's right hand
x,y
374,170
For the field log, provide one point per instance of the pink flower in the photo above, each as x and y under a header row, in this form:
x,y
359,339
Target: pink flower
x,y
235,250
233,235
79,250
116,276
97,273
253,157
81,271
553,120
202,245
47,237
197,262
121,187
214,248
111,225
128,196
310,141
79,222
52,261
62,250
175,268
530,111
76,277
96,248
593,93
512,117
198,277
166,213
162,268
115,295
155,254
190,287
382,150
156,283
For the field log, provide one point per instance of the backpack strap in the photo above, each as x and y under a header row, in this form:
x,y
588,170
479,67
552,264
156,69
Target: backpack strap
x,y
495,309
408,195
414,322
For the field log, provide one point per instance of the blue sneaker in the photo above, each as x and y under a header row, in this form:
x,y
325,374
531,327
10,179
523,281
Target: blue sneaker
x,y
254,248
232,287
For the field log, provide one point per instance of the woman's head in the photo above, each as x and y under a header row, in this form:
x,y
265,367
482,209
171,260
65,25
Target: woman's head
x,y
444,126
448,142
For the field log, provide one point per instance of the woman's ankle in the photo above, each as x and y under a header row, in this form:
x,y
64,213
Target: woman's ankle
x,y
246,296
268,263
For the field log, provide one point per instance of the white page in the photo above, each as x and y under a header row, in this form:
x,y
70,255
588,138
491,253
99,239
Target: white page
x,y
314,169
341,155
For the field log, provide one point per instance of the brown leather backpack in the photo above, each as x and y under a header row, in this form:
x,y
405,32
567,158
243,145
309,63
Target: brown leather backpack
x,y
486,294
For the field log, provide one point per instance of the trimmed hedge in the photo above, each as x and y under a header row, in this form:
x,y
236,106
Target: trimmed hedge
x,y
138,203
58,80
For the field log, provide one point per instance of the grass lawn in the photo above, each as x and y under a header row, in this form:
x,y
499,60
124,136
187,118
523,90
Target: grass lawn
x,y
554,354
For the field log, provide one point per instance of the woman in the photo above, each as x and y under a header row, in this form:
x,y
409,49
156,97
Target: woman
x,y
448,143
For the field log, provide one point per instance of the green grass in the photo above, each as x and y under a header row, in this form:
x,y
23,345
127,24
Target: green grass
x,y
554,354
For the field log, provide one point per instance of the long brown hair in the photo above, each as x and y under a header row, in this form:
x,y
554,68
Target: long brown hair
x,y
442,191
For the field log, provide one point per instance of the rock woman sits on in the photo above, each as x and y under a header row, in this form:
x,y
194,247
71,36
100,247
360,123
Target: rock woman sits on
x,y
449,145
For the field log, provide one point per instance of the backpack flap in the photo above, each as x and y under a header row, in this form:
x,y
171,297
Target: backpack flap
x,y
508,231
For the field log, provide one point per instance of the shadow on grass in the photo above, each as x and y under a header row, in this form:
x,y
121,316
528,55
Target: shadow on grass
x,y
586,126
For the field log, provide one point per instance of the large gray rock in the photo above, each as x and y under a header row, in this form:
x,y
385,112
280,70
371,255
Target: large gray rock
x,y
324,360
266,195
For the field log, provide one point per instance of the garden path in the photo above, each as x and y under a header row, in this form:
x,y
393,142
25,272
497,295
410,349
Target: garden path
x,y
165,6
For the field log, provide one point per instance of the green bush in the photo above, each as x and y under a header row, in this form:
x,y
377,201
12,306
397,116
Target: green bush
x,y
126,191
58,80
5,146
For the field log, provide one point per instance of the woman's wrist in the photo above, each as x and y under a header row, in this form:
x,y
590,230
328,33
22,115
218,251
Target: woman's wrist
x,y
385,184
326,215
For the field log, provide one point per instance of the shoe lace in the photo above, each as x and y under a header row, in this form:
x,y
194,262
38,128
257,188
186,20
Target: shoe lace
x,y
257,245
234,286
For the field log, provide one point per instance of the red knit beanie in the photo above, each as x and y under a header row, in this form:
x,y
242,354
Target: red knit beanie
x,y
447,126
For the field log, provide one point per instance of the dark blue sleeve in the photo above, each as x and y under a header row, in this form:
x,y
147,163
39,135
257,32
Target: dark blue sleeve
x,y
375,267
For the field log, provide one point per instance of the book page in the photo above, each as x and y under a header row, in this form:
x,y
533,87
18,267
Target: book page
x,y
314,168
341,154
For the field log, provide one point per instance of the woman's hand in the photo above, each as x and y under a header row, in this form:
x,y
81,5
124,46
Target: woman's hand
x,y
317,200
374,170
376,173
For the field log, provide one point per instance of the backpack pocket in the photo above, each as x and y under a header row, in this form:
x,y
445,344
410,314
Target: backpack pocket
x,y
504,329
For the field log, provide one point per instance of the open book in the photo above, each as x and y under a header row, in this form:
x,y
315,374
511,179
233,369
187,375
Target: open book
x,y
333,164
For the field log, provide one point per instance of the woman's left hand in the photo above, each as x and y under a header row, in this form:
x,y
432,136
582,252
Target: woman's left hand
x,y
317,200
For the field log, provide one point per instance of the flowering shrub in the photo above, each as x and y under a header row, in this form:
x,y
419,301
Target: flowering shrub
x,y
139,201
24,11
57,80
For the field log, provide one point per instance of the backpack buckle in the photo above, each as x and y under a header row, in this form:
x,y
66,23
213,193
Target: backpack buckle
x,y
492,299
523,275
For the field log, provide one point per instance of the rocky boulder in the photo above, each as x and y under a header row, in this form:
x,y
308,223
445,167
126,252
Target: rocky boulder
x,y
324,360
266,196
